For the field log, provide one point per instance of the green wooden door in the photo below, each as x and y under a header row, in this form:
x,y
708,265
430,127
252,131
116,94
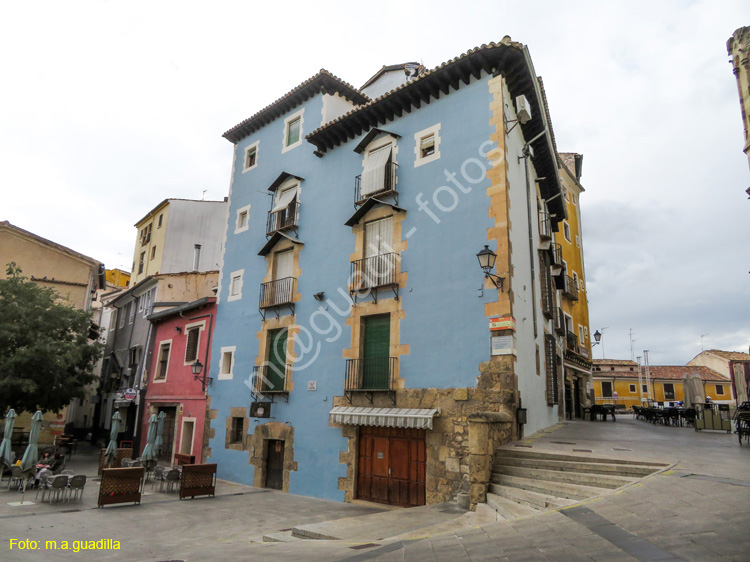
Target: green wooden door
x,y
375,352
276,361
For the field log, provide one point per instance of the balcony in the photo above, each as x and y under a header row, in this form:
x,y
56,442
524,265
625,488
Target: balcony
x,y
570,289
277,293
545,231
556,259
268,381
377,272
370,375
285,219
381,184
571,341
576,353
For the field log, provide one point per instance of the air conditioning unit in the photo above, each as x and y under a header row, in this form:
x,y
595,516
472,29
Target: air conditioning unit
x,y
523,109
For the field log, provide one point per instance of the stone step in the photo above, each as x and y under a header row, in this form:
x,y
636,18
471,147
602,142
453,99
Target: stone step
x,y
517,453
281,536
509,509
569,466
529,498
559,489
582,478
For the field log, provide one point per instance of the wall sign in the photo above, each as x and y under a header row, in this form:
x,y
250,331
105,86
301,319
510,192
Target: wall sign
x,y
129,394
312,385
502,323
503,345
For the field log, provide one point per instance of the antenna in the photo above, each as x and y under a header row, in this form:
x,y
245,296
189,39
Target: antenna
x,y
702,336
203,198
632,352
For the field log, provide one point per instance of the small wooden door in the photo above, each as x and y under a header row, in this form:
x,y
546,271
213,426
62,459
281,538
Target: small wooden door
x,y
275,464
392,466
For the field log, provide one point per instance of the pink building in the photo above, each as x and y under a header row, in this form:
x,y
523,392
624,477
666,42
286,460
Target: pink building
x,y
181,338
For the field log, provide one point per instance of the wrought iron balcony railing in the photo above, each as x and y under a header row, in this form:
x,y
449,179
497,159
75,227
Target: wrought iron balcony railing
x,y
271,379
545,229
559,321
374,272
555,252
277,293
572,342
371,374
385,187
570,289
285,219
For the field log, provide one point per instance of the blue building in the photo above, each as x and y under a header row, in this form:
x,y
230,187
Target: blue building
x,y
360,351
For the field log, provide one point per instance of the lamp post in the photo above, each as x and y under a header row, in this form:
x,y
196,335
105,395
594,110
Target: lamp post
x,y
197,368
487,259
598,335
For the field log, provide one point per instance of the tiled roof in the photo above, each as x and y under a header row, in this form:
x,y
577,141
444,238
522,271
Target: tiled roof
x,y
615,362
322,81
730,355
666,372
507,57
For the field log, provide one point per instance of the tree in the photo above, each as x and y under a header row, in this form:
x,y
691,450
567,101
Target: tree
x,y
46,357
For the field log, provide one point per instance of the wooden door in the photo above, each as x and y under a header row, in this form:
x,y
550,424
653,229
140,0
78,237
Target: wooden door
x,y
276,372
275,464
392,466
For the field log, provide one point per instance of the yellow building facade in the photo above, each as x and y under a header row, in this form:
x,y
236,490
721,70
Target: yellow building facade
x,y
574,302
118,278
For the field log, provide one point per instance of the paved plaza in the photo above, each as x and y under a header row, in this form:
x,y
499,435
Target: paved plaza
x,y
697,509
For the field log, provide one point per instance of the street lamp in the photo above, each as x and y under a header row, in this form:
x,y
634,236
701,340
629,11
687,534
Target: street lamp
x,y
197,368
487,260
598,335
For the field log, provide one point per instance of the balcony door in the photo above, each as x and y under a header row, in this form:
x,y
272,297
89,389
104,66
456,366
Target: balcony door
x,y
376,341
276,360
283,265
379,265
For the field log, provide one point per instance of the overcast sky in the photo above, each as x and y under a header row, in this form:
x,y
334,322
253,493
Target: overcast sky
x,y
107,108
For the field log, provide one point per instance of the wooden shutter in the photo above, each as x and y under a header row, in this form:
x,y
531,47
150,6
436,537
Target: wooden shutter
x,y
191,348
376,351
374,175
284,264
276,360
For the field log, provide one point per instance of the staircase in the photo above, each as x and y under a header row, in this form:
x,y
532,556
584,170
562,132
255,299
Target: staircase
x,y
527,482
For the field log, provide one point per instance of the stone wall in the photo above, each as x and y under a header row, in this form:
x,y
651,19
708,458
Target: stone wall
x,y
465,417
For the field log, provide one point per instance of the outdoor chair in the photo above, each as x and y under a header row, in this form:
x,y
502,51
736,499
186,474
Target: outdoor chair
x,y
18,477
159,472
76,485
172,478
43,484
58,486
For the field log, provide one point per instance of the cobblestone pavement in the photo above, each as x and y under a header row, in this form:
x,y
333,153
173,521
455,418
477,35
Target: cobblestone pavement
x,y
696,510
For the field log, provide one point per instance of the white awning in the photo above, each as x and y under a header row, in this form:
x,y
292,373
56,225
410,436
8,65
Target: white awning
x,y
284,198
374,175
384,417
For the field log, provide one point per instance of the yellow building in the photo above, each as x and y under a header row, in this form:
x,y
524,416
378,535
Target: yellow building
x,y
738,48
574,313
618,382
118,278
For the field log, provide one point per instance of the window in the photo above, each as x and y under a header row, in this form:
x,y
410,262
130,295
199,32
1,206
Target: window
x,y
148,298
140,302
153,252
146,235
586,332
566,230
606,389
427,145
292,131
113,320
581,339
131,312
191,347
644,387
632,388
235,285
286,196
226,364
379,172
140,262
250,160
243,220
161,218
237,432
121,314
575,280
720,389
668,391
196,257
161,368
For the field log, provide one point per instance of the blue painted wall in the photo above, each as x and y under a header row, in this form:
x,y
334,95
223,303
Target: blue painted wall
x,y
444,322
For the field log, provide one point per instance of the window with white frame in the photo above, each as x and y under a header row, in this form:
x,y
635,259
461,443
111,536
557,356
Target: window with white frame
x,y
586,331
575,279
427,145
235,285
131,312
293,131
250,159
192,344
153,252
379,173
581,339
196,257
632,389
148,298
566,230
226,362
141,261
243,219
719,390
160,374
121,314
161,219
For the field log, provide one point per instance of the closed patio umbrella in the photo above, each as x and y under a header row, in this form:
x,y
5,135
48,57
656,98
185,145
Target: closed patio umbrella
x,y
111,453
149,451
687,391
31,455
159,443
5,451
